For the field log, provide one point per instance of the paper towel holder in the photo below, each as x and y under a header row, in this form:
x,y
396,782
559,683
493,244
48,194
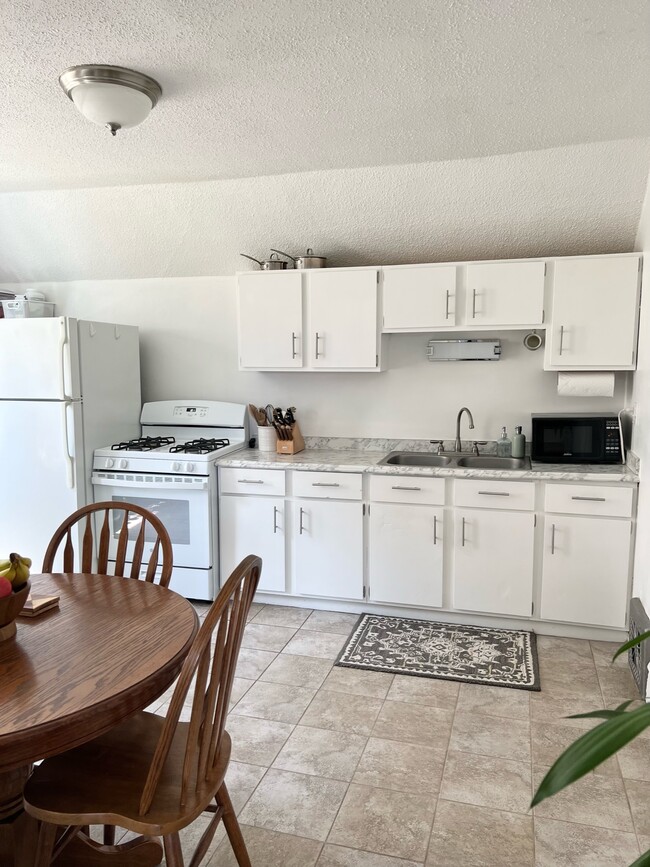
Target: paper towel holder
x,y
533,341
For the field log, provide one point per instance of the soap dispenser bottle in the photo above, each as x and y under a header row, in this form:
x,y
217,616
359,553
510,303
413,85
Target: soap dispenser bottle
x,y
518,443
504,446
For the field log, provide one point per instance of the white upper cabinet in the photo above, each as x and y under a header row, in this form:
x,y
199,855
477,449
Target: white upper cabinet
x,y
342,319
595,314
270,320
505,293
419,298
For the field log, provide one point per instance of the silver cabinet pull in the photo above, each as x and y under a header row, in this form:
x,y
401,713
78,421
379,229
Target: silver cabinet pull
x,y
473,303
301,527
447,304
494,493
462,539
318,354
250,481
325,485
294,354
435,529
275,519
405,488
591,499
561,340
552,538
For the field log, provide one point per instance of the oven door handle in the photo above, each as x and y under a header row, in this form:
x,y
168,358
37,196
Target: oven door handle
x,y
184,484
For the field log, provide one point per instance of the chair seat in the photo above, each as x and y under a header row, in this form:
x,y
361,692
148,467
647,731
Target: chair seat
x,y
101,782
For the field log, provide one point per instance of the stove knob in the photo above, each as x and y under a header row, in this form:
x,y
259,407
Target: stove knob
x,y
110,463
189,467
176,466
123,464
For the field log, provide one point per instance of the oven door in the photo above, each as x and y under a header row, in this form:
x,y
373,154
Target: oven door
x,y
181,502
573,440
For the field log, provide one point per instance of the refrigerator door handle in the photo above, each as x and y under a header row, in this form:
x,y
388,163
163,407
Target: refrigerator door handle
x,y
62,357
66,441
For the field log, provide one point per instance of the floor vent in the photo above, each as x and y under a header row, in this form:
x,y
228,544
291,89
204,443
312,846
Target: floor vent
x,y
639,656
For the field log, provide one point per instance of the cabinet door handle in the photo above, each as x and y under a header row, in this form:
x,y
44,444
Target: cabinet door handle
x,y
552,538
435,529
462,539
318,354
473,303
447,304
561,349
294,338
325,485
405,488
301,527
250,481
494,493
591,499
275,519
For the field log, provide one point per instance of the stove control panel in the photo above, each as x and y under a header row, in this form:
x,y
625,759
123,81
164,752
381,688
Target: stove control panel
x,y
190,412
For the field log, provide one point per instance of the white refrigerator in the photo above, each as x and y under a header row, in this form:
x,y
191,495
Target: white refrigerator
x,y
67,387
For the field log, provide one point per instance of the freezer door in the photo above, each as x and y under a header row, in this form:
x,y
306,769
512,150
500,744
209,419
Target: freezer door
x,y
42,483
40,359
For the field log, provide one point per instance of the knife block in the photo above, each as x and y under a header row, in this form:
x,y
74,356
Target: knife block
x,y
295,444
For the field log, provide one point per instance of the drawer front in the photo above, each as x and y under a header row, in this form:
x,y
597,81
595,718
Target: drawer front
x,y
489,494
252,481
327,486
407,489
589,500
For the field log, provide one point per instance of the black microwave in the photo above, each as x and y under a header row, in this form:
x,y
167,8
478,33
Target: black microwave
x,y
577,438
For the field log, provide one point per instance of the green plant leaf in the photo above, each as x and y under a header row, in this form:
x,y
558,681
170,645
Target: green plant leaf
x,y
631,643
643,860
590,750
602,714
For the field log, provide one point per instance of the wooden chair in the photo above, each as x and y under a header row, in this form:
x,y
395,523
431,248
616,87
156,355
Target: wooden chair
x,y
154,775
87,550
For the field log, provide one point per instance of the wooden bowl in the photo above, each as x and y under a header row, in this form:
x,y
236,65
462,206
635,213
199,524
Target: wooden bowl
x,y
10,608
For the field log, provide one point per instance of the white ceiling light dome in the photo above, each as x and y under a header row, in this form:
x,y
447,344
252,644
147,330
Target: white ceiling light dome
x,y
111,96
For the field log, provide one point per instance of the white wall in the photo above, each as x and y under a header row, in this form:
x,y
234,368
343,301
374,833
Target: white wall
x,y
641,436
189,350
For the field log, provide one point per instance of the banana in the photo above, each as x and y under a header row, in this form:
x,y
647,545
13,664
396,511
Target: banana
x,y
4,564
18,572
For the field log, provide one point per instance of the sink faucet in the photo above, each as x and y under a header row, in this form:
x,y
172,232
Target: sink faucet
x,y
457,444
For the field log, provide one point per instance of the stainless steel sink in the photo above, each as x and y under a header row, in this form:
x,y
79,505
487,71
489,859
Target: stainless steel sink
x,y
415,459
477,462
492,462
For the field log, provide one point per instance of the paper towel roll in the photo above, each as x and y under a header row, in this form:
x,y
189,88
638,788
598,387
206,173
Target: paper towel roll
x,y
586,384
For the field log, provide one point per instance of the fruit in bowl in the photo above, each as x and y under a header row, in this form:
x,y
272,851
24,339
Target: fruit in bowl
x,y
14,590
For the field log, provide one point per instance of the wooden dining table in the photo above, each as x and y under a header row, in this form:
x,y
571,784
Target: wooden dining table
x,y
110,649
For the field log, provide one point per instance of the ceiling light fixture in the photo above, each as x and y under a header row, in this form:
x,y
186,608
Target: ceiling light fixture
x,y
111,96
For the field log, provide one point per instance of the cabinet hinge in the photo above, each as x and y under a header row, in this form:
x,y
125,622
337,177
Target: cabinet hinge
x,y
376,361
532,608
363,507
365,592
545,267
377,278
543,315
535,521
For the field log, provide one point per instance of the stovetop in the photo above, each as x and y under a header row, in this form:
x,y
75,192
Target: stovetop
x,y
165,454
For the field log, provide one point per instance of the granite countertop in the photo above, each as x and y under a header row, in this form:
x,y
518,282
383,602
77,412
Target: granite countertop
x,y
362,460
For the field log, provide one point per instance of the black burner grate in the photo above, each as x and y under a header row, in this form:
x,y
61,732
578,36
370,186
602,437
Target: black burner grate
x,y
200,446
143,444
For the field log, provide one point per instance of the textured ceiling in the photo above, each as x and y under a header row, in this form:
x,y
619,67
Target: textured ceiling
x,y
260,87
563,201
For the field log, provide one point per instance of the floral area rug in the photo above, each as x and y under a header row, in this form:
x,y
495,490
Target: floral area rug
x,y
471,654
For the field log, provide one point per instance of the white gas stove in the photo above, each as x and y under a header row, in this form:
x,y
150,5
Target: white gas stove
x,y
171,471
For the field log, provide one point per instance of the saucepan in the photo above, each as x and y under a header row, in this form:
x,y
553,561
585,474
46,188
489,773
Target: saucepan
x,y
308,260
273,263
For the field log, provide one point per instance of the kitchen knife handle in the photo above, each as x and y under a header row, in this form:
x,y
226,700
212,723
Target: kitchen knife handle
x,y
318,337
301,527
552,538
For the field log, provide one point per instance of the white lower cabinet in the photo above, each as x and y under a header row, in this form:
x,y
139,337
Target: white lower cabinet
x,y
585,571
405,554
254,525
493,561
327,546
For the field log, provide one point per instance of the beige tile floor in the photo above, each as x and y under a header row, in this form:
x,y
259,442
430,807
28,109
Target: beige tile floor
x,y
337,767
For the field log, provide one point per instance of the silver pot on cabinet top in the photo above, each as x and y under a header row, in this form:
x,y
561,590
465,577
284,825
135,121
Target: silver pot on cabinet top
x,y
270,264
309,260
